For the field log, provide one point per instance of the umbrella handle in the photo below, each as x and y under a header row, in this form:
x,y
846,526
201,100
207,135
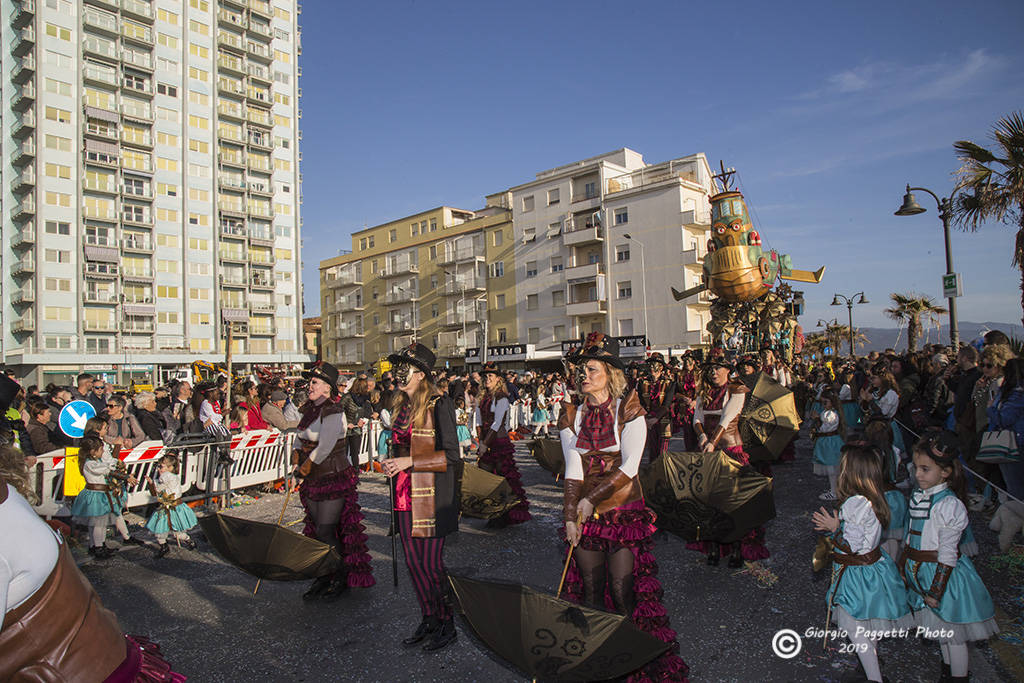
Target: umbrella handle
x,y
568,558
280,517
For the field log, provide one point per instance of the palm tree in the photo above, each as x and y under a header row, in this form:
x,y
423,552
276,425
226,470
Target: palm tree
x,y
991,183
842,336
911,308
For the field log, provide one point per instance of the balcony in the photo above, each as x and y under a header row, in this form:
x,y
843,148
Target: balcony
x,y
233,255
471,316
257,163
233,281
351,358
259,51
134,218
259,72
229,159
25,181
25,295
145,326
260,30
142,35
142,112
24,266
261,140
261,257
23,96
260,96
228,62
24,40
230,86
260,188
99,47
591,307
137,10
399,326
100,21
262,282
399,268
137,274
26,208
583,235
349,278
96,269
234,310
100,325
24,237
584,272
100,296
137,244
259,117
262,306
465,285
22,12
230,18
261,7
261,238
24,125
400,297
103,75
346,305
230,109
232,230
23,69
263,331
24,152
463,255
694,219
26,323
231,208
350,331
230,39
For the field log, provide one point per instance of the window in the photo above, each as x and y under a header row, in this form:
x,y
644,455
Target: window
x,y
433,310
167,317
558,333
433,282
200,122
58,115
199,318
166,164
433,225
199,293
626,327
533,335
167,40
393,235
167,189
532,302
165,64
198,98
165,240
621,216
58,143
166,139
556,264
528,204
57,284
531,268
369,241
625,289
198,268
496,269
58,87
433,252
553,196
58,228
590,189
58,32
198,171
199,344
57,313
199,51
499,301
498,238
198,27
57,59
199,146
197,195
558,297
169,215
198,244
502,335
165,114
166,266
282,99
622,253
58,199
57,256
201,5
362,244
58,171
529,235
167,16
164,89
282,57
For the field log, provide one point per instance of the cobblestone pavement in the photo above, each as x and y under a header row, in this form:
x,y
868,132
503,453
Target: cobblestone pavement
x,y
211,626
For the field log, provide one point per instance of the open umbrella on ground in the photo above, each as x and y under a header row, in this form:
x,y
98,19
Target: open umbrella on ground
x,y
769,421
551,639
485,495
548,454
268,551
707,496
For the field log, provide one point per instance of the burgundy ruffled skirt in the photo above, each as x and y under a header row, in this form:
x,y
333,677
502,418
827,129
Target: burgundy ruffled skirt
x,y
500,459
350,531
631,526
752,546
143,664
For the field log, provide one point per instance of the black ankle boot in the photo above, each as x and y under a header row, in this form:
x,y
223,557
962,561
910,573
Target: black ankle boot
x,y
101,552
959,679
714,554
337,587
319,586
736,559
442,637
427,628
163,550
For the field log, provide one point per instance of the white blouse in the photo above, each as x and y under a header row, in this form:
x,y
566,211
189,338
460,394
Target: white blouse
x,y
888,403
861,529
96,471
845,393
944,526
731,408
28,551
829,422
208,414
168,484
500,407
325,432
634,438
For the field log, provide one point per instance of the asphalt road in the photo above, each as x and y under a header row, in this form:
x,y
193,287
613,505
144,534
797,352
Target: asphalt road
x,y
212,628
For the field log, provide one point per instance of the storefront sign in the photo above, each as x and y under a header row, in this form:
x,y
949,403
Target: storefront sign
x,y
502,353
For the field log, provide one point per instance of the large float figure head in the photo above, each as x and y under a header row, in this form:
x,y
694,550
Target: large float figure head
x,y
735,267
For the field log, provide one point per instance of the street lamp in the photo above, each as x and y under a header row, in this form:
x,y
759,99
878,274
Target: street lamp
x,y
849,300
830,324
643,277
912,208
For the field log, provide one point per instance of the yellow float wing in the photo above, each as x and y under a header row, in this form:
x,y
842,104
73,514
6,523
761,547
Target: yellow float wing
x,y
74,482
805,275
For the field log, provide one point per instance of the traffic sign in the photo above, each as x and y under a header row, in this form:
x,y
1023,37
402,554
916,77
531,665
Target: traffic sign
x,y
952,285
73,417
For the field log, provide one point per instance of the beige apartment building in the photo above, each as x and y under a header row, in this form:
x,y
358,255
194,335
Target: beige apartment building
x,y
424,278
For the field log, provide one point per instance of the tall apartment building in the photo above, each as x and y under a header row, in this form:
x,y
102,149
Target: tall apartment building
x,y
150,165
424,278
599,243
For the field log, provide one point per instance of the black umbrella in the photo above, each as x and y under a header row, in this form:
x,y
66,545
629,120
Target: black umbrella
x,y
269,551
485,495
707,496
549,638
548,454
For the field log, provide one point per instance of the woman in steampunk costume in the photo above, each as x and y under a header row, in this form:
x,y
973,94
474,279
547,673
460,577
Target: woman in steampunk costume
x,y
716,423
328,490
687,378
606,520
657,393
427,471
496,452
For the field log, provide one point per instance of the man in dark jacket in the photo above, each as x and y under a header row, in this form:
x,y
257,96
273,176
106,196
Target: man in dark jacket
x,y
962,382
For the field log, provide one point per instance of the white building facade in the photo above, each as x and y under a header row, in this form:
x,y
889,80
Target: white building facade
x,y
601,240
150,185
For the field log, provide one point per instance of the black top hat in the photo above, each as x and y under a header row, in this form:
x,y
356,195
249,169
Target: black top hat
x,y
8,392
417,355
749,359
490,367
323,371
657,357
716,358
599,346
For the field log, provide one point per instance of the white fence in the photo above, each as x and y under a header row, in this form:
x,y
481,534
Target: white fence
x,y
249,459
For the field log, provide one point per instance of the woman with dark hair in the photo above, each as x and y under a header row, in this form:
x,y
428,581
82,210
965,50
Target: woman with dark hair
x,y
687,379
358,409
250,401
880,398
38,427
496,452
1007,412
612,563
123,430
427,471
328,491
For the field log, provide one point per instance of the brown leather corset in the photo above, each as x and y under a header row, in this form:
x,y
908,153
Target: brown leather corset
x,y
600,466
336,461
731,436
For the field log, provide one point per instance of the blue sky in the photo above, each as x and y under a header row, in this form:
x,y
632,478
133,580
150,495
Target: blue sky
x,y
826,110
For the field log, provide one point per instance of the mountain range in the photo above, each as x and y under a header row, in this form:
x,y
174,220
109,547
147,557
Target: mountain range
x,y
881,338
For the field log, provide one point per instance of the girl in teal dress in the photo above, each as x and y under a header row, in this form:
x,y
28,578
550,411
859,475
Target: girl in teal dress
x,y
866,595
945,591
103,499
828,441
172,516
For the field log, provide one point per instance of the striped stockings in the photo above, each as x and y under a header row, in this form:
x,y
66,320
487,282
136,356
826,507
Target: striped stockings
x,y
424,558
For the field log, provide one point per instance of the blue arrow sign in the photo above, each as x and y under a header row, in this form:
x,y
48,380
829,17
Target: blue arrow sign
x,y
73,417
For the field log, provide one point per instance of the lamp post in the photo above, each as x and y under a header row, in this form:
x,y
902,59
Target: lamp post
x,y
643,278
833,337
849,300
912,208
